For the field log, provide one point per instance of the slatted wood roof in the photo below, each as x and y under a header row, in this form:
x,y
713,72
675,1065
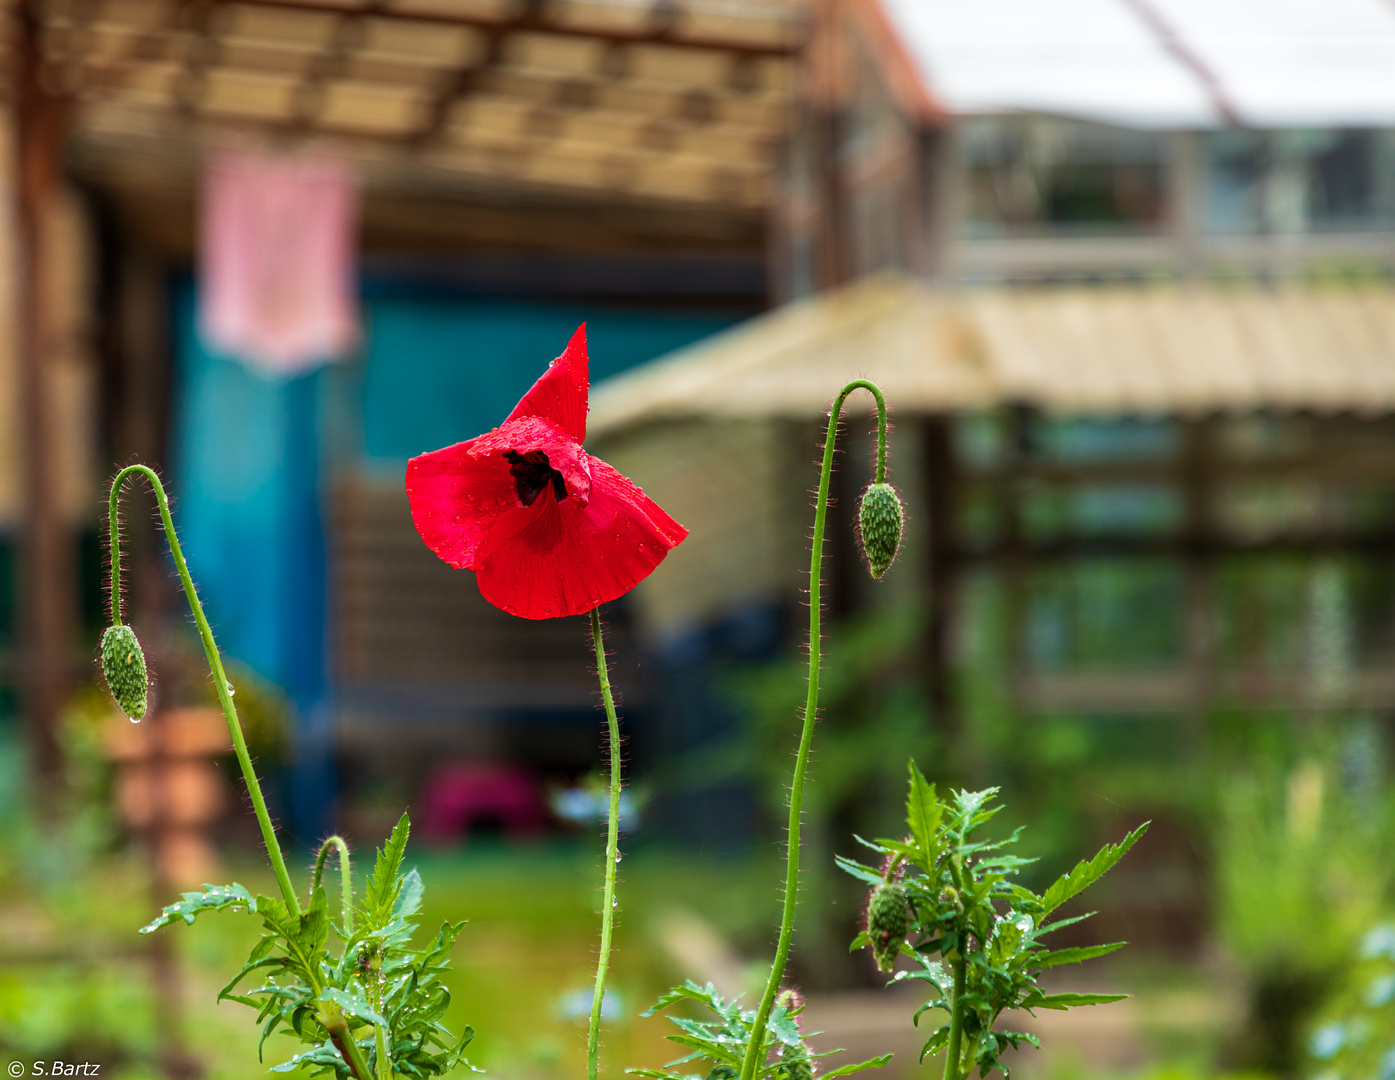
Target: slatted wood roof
x,y
1107,350
676,100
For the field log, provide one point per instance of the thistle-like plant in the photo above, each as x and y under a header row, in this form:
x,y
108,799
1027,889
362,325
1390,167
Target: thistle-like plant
x,y
945,898
371,1012
727,1040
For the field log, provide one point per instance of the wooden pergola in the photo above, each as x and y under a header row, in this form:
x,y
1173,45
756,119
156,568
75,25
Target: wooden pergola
x,y
544,123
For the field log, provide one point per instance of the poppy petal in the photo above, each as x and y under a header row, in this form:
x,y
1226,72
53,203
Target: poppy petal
x,y
456,497
531,433
560,394
555,559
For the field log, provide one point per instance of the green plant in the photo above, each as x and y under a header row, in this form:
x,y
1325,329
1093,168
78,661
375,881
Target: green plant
x,y
372,1012
1358,1041
730,1038
946,899
740,1043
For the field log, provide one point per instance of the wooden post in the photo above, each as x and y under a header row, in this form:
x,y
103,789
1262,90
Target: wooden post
x,y
46,563
942,567
827,100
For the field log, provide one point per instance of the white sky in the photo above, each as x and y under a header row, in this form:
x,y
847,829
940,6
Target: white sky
x,y
1279,63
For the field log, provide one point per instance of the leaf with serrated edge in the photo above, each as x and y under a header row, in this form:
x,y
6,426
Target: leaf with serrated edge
x,y
924,812
848,1070
192,904
1087,873
1042,961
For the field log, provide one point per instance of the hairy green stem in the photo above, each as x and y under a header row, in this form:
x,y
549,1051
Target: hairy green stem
x,y
956,1016
346,881
343,1039
215,665
612,853
752,1062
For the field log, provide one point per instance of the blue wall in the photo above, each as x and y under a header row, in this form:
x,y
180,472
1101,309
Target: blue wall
x,y
439,371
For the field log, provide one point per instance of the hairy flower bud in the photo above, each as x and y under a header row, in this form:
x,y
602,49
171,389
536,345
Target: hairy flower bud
x,y
790,999
795,1063
123,666
879,520
949,896
887,923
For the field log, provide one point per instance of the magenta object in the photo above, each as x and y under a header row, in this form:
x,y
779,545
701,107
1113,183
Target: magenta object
x,y
461,795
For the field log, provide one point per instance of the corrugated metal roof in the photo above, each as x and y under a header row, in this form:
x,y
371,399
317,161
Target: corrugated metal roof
x,y
1160,63
1103,350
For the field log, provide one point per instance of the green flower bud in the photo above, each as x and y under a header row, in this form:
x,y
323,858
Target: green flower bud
x,y
795,1063
880,519
949,896
123,666
887,923
722,1072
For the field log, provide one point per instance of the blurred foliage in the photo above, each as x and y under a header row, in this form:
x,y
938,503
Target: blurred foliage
x,y
1358,1040
1305,861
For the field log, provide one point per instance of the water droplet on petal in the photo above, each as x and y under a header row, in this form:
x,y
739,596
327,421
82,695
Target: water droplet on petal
x,y
470,496
617,536
457,519
430,514
641,545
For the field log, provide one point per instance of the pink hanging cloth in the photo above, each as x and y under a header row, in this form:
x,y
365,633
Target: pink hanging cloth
x,y
278,261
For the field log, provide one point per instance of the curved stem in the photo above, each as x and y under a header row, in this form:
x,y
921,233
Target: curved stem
x,y
956,1017
346,881
215,663
754,1050
612,853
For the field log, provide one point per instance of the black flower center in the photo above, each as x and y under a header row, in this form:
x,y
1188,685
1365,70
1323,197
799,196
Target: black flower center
x,y
531,473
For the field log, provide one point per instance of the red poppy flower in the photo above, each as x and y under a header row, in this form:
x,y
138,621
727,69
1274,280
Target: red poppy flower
x,y
547,529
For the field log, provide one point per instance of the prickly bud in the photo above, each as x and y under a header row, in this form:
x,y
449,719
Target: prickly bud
x,y
949,896
795,1063
879,520
123,666
887,923
791,1000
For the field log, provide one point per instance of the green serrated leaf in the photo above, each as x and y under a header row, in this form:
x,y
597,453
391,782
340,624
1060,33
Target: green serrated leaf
x,y
1039,1000
355,1004
384,883
924,812
1042,961
857,870
192,904
1087,873
408,901
848,1070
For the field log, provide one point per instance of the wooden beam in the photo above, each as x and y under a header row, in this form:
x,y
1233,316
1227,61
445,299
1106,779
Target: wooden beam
x,y
47,555
533,18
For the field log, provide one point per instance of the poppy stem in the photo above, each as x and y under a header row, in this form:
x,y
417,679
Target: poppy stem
x,y
336,844
612,852
755,1048
215,662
